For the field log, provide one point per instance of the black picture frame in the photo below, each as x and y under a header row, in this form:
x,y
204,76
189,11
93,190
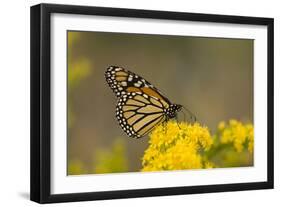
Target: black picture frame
x,y
41,98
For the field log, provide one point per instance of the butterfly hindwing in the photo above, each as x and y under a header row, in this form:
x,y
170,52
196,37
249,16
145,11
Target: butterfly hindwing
x,y
139,113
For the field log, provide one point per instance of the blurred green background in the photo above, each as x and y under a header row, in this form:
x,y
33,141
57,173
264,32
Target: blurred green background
x,y
212,77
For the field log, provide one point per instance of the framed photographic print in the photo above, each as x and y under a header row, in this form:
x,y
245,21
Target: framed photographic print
x,y
132,103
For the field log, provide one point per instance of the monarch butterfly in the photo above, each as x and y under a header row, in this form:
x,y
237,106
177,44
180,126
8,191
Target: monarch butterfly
x,y
140,106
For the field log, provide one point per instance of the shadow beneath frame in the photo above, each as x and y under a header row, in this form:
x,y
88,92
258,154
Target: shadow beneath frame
x,y
24,195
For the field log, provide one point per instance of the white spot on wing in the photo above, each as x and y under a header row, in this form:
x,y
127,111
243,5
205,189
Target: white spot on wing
x,y
124,83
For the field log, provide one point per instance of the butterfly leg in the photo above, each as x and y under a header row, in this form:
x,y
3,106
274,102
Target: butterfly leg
x,y
177,122
164,124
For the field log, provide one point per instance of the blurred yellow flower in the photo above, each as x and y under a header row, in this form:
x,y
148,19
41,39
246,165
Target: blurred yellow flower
x,y
173,147
221,126
72,37
111,160
209,165
78,69
76,167
238,134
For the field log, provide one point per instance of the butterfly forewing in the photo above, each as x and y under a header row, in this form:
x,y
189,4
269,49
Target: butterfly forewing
x,y
122,81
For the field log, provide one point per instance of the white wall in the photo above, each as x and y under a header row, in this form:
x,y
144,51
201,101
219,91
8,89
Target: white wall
x,y
14,102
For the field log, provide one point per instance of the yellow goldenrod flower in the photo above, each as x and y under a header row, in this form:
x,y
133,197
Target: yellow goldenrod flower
x,y
173,147
250,131
209,165
238,134
221,126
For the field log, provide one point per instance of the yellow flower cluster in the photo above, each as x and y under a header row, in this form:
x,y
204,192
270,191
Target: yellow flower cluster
x,y
239,134
177,147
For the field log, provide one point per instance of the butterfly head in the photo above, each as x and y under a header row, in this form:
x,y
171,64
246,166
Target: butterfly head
x,y
171,112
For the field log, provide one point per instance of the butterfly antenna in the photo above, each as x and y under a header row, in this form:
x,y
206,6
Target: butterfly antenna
x,y
184,116
192,116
